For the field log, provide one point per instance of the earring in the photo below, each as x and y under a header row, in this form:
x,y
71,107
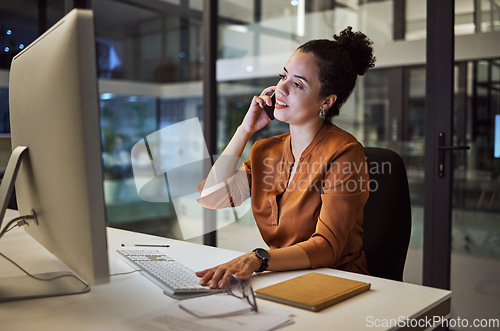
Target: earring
x,y
322,113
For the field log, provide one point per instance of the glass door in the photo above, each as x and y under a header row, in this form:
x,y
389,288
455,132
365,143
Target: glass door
x,y
475,256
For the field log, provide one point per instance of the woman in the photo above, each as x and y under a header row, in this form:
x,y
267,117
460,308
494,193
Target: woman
x,y
309,186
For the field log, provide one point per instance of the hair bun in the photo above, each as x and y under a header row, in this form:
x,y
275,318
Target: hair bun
x,y
359,48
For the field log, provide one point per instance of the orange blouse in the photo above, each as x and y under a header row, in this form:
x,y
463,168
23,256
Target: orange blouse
x,y
320,208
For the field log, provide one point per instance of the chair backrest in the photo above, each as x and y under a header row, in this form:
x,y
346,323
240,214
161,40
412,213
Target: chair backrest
x,y
387,214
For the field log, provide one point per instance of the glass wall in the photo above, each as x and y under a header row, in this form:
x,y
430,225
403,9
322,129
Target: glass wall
x,y
487,15
160,44
476,192
471,16
150,67
21,22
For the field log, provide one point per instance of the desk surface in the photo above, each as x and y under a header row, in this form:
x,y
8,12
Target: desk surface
x,y
132,295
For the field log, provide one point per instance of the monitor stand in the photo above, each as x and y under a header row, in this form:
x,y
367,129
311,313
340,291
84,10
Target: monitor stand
x,y
39,285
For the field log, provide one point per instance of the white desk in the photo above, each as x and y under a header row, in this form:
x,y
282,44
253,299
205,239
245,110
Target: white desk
x,y
132,295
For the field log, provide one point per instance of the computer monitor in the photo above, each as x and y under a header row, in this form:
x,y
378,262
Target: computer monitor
x,y
497,136
55,124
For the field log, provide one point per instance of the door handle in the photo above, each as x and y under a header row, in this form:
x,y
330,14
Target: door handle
x,y
442,149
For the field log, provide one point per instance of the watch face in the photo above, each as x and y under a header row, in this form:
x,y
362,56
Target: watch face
x,y
262,254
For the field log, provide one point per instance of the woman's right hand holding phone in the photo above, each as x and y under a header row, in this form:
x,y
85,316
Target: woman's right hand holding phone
x,y
256,118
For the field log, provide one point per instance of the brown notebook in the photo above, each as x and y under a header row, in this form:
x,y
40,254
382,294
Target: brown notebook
x,y
312,291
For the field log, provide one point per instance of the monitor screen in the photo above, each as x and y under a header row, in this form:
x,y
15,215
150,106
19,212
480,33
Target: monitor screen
x,y
54,112
497,136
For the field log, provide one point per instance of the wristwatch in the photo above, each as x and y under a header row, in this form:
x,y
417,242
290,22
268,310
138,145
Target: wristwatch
x,y
263,256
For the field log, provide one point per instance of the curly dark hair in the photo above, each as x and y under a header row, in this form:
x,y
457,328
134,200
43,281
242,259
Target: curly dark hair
x,y
340,61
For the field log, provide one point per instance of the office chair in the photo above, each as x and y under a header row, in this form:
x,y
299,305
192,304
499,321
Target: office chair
x,y
387,214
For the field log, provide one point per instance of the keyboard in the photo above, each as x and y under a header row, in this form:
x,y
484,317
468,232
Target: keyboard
x,y
175,279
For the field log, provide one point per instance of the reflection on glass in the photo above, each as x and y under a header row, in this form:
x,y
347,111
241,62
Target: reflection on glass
x,y
21,23
376,108
496,151
488,15
151,45
126,120
470,17
476,195
4,112
145,53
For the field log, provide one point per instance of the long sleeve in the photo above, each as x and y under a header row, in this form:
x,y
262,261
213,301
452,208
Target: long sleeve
x,y
230,194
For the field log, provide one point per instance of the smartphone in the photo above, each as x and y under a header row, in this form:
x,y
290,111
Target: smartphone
x,y
270,109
